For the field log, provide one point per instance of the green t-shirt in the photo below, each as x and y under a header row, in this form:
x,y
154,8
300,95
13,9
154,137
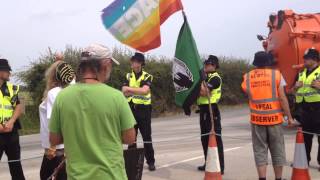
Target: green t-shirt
x,y
91,117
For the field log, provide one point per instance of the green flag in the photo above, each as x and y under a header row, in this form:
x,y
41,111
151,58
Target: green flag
x,y
186,69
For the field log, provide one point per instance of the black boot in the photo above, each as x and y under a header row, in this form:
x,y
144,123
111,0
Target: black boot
x,y
202,168
152,167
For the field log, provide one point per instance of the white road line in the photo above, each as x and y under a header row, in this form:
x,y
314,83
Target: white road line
x,y
194,158
179,162
231,149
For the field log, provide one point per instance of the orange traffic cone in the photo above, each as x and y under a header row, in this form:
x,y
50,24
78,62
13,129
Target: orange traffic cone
x,y
213,171
300,162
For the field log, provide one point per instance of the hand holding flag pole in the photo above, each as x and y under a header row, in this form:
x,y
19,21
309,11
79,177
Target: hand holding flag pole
x,y
210,105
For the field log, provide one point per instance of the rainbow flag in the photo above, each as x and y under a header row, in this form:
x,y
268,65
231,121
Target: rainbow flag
x,y
136,23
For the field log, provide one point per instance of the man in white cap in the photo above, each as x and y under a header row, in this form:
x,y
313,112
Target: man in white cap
x,y
93,120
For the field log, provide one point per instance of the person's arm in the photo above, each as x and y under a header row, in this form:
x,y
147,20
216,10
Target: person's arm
x,y
244,85
125,86
128,136
213,83
55,136
203,90
127,122
285,105
316,84
18,110
49,105
55,139
143,90
2,128
298,84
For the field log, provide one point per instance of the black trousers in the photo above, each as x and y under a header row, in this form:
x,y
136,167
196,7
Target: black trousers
x,y
48,167
310,122
308,144
142,114
205,125
10,145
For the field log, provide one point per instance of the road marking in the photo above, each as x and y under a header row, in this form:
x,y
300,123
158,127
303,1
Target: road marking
x,y
194,158
231,149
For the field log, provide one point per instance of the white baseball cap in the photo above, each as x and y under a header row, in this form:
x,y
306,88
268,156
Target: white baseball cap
x,y
97,51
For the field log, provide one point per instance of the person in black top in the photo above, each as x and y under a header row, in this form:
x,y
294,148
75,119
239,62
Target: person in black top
x,y
307,101
137,89
10,111
214,83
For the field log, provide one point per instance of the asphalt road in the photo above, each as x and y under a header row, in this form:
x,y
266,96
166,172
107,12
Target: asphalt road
x,y
178,150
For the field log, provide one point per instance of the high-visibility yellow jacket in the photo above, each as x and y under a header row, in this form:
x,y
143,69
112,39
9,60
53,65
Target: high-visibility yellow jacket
x,y
136,83
306,92
8,103
215,93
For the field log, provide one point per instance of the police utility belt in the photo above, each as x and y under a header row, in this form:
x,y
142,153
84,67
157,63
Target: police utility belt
x,y
138,106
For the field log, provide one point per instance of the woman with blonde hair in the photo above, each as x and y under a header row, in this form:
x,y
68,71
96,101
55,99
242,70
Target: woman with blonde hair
x,y
59,75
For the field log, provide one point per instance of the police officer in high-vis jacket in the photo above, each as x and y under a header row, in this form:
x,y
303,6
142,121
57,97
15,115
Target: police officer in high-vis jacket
x,y
137,90
214,82
307,90
10,111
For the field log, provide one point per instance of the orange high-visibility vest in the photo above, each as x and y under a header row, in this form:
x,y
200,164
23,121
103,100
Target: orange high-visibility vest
x,y
261,86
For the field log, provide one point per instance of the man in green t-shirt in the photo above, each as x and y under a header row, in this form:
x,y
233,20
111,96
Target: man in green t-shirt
x,y
93,120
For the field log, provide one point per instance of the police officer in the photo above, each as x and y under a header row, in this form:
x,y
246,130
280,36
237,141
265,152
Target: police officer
x,y
308,98
214,82
10,111
137,90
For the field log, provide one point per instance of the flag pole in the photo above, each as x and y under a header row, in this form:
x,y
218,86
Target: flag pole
x,y
206,87
210,106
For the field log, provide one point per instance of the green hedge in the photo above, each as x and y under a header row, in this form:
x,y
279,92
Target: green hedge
x,y
231,71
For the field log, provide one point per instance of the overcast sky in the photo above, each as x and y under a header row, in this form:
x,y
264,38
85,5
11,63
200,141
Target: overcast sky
x,y
228,27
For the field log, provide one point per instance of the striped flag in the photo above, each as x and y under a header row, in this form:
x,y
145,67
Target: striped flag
x,y
168,7
136,23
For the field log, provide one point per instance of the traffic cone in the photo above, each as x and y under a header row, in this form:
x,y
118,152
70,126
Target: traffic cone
x,y
213,171
300,162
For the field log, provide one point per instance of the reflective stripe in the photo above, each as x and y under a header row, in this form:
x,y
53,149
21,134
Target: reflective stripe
x,y
274,90
266,112
141,97
307,85
308,94
248,86
7,107
264,100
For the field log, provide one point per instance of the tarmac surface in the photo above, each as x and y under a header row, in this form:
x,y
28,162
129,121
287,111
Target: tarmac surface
x,y
178,150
